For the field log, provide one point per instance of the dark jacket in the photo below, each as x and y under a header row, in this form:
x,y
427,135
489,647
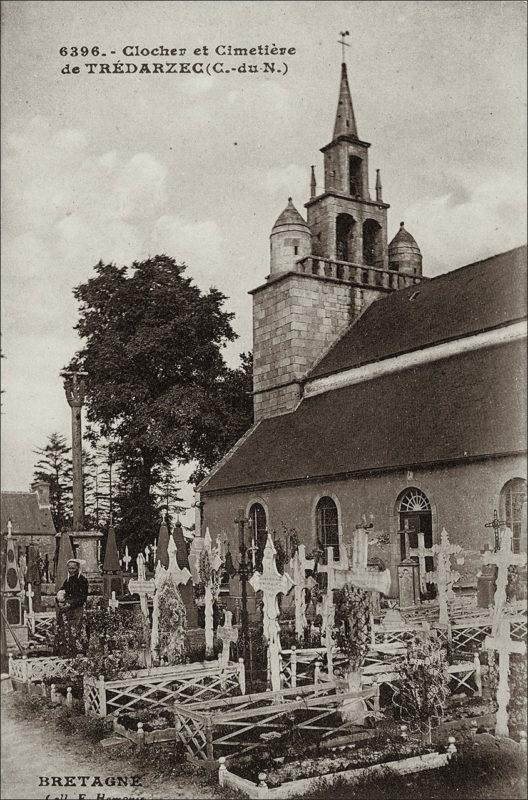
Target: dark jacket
x,y
76,589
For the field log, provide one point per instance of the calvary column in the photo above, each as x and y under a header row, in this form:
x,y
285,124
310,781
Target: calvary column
x,y
74,387
85,542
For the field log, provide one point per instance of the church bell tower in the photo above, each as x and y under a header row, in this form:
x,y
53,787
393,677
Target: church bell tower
x,y
346,223
324,270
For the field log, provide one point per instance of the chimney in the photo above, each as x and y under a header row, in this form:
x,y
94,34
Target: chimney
x,y
42,489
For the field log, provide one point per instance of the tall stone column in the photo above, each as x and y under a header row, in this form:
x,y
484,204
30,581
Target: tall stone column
x,y
74,387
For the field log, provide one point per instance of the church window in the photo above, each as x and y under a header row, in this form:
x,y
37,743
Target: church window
x,y
327,526
355,169
372,245
259,529
394,265
513,512
415,517
296,250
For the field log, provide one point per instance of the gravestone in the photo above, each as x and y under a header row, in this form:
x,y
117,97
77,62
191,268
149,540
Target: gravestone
x,y
210,563
422,552
271,583
408,583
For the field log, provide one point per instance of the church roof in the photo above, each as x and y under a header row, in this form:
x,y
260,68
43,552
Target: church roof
x,y
474,298
432,413
345,121
290,216
26,515
470,405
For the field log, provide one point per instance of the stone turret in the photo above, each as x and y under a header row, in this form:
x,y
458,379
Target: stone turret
x,y
290,240
404,254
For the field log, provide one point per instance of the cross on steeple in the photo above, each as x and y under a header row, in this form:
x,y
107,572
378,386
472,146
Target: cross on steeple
x,y
343,44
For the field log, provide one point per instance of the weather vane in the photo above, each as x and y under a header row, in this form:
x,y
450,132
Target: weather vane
x,y
343,43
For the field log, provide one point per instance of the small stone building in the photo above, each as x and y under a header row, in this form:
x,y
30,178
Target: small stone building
x,y
377,391
31,520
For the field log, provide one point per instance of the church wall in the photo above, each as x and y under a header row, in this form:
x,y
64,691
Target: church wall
x,y
462,498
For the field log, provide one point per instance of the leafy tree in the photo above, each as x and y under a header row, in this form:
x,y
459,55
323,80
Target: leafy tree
x,y
55,468
157,381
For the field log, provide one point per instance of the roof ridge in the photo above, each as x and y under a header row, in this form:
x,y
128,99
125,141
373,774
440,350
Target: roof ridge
x,y
479,261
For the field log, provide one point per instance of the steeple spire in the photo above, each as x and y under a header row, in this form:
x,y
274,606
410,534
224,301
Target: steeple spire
x,y
345,122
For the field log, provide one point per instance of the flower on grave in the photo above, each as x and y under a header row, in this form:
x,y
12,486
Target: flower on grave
x,y
353,624
171,624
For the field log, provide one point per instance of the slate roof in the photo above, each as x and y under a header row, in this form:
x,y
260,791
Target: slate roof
x,y
467,406
477,297
23,509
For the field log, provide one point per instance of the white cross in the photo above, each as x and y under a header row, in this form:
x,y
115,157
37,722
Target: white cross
x,y
444,577
30,595
271,583
252,550
215,562
504,645
113,603
422,552
154,550
298,565
226,634
503,559
126,558
180,576
9,528
143,587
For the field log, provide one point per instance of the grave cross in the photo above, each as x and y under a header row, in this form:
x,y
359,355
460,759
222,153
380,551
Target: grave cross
x,y
327,609
271,583
503,559
226,634
215,562
126,558
422,552
252,550
298,565
504,645
496,524
444,577
113,604
143,587
9,528
30,595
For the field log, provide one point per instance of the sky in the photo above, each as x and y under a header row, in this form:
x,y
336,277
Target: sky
x,y
122,166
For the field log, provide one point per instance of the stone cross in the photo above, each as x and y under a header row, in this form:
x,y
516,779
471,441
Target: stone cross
x,y
226,634
126,558
179,576
298,565
113,604
444,577
143,587
271,583
503,559
422,552
504,645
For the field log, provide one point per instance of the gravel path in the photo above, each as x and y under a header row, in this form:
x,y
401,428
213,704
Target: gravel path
x,y
32,748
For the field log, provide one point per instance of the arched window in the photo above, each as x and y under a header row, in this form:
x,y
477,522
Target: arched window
x,y
355,174
327,526
345,237
259,530
416,528
513,511
372,244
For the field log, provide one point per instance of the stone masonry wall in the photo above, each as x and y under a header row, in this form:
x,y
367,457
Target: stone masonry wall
x,y
295,318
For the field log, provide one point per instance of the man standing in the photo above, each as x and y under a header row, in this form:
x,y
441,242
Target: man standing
x,y
71,599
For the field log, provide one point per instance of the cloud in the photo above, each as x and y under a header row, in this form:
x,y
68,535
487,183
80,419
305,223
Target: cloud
x,y
198,244
289,181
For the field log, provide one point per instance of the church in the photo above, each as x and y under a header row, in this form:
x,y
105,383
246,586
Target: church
x,y
379,394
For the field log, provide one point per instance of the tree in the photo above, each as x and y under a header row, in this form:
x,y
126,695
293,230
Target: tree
x,y
167,492
55,468
157,381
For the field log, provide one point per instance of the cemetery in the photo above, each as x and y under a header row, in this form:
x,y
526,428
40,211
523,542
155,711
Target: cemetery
x,y
361,684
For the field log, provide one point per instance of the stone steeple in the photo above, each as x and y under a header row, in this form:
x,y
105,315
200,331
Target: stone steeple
x,y
345,122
